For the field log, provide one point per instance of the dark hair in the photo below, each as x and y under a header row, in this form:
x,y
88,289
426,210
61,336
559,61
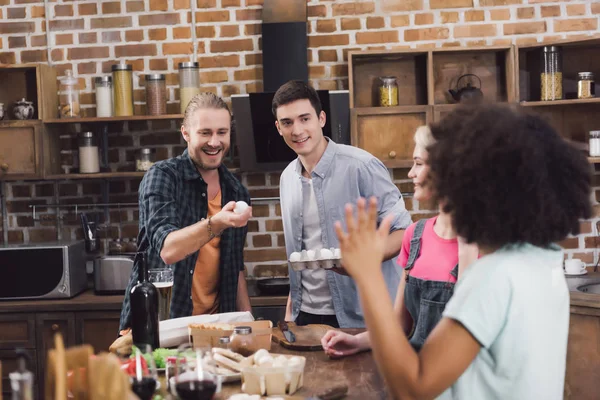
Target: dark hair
x,y
292,91
507,177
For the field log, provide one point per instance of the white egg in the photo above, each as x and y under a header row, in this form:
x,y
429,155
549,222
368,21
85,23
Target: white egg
x,y
294,257
240,207
326,254
304,255
260,354
311,255
295,361
266,361
337,253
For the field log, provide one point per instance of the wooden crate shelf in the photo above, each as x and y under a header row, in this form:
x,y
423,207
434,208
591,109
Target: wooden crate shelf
x,y
113,119
567,102
32,82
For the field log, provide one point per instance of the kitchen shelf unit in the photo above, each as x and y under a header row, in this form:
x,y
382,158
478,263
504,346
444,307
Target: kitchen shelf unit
x,y
424,79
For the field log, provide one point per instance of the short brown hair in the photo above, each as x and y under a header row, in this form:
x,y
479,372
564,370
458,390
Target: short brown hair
x,y
205,100
295,90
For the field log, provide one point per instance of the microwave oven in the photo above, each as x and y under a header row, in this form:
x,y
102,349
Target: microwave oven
x,y
53,270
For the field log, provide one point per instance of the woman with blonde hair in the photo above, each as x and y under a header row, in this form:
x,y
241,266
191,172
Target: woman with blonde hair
x,y
432,257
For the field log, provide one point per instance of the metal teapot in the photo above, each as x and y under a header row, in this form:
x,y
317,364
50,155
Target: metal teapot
x,y
23,109
467,93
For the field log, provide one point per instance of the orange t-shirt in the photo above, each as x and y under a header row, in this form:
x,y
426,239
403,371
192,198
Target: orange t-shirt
x,y
205,282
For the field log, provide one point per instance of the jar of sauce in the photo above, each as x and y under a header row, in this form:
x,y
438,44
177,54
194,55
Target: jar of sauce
x,y
242,341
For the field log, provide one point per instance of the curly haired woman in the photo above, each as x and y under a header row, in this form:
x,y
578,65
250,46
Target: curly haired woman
x,y
432,257
514,187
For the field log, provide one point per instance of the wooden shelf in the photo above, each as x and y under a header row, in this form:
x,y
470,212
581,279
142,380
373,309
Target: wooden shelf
x,y
100,175
113,119
16,123
594,160
560,102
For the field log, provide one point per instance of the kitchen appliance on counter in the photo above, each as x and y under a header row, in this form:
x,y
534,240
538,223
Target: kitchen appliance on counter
x,y
52,270
111,274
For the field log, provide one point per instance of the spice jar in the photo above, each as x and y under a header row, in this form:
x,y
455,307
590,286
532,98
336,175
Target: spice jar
x,y
89,162
156,94
144,159
594,143
69,96
189,83
104,96
123,89
585,85
242,341
224,342
388,91
551,75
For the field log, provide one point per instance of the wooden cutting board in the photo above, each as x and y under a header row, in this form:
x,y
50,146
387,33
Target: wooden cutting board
x,y
308,337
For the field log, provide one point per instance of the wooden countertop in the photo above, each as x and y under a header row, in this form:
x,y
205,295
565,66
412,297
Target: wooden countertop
x,y
581,299
88,301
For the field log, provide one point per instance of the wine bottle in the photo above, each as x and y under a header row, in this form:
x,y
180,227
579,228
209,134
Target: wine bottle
x,y
144,307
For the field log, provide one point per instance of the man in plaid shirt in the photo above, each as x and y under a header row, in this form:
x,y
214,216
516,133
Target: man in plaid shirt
x,y
187,218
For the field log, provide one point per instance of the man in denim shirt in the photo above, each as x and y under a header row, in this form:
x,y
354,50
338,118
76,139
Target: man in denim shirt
x,y
314,190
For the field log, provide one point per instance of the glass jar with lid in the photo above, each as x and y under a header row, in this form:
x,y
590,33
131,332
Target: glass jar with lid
x,y
189,83
123,89
144,159
156,94
69,106
551,76
388,91
104,96
242,341
89,161
595,143
224,342
585,85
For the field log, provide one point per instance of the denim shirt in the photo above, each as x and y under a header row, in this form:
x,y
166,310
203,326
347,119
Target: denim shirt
x,y
343,174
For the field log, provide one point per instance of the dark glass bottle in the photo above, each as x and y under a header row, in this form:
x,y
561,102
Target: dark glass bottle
x,y
144,307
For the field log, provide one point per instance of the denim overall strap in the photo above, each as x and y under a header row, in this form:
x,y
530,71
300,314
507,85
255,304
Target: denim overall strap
x,y
415,245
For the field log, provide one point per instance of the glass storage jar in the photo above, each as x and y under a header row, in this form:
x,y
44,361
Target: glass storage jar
x,y
242,341
156,94
551,76
123,89
585,85
388,91
69,96
144,159
89,161
189,83
104,96
595,143
224,342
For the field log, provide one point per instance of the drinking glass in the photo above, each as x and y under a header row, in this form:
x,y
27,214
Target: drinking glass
x,y
192,382
163,280
144,382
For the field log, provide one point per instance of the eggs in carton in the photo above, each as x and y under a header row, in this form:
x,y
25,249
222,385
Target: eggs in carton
x,y
313,259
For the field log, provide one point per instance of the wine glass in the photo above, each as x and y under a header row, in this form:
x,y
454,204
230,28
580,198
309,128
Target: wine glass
x,y
144,382
192,381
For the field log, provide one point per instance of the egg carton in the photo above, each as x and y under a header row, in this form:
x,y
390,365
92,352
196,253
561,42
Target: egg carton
x,y
311,259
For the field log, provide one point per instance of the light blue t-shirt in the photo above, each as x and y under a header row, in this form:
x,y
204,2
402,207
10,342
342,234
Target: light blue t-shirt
x,y
515,302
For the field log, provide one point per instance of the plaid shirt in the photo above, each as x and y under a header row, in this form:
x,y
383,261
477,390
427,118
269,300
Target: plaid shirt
x,y
172,195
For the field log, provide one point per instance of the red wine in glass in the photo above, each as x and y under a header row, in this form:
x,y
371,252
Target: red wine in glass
x,y
196,390
143,388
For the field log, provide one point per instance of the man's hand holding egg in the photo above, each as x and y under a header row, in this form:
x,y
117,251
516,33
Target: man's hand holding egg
x,y
232,215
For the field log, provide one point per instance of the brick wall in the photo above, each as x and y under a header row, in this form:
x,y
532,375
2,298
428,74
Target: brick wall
x,y
88,36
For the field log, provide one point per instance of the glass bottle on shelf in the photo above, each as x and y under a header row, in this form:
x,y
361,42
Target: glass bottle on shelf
x,y
388,91
69,106
585,85
189,83
123,89
551,76
156,94
104,96
89,161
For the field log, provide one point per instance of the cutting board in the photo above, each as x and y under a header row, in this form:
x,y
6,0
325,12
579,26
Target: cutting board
x,y
308,337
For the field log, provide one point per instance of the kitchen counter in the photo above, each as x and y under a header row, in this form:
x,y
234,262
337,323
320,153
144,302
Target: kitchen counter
x,y
581,299
88,301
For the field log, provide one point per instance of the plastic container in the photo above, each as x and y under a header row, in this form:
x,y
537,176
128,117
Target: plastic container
x,y
595,143
189,83
104,96
123,89
156,94
69,106
388,91
585,85
551,76
89,160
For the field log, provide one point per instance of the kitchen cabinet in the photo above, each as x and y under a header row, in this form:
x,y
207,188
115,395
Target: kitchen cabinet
x,y
271,313
98,328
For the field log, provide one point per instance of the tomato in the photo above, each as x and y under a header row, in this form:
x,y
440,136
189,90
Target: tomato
x,y
129,367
